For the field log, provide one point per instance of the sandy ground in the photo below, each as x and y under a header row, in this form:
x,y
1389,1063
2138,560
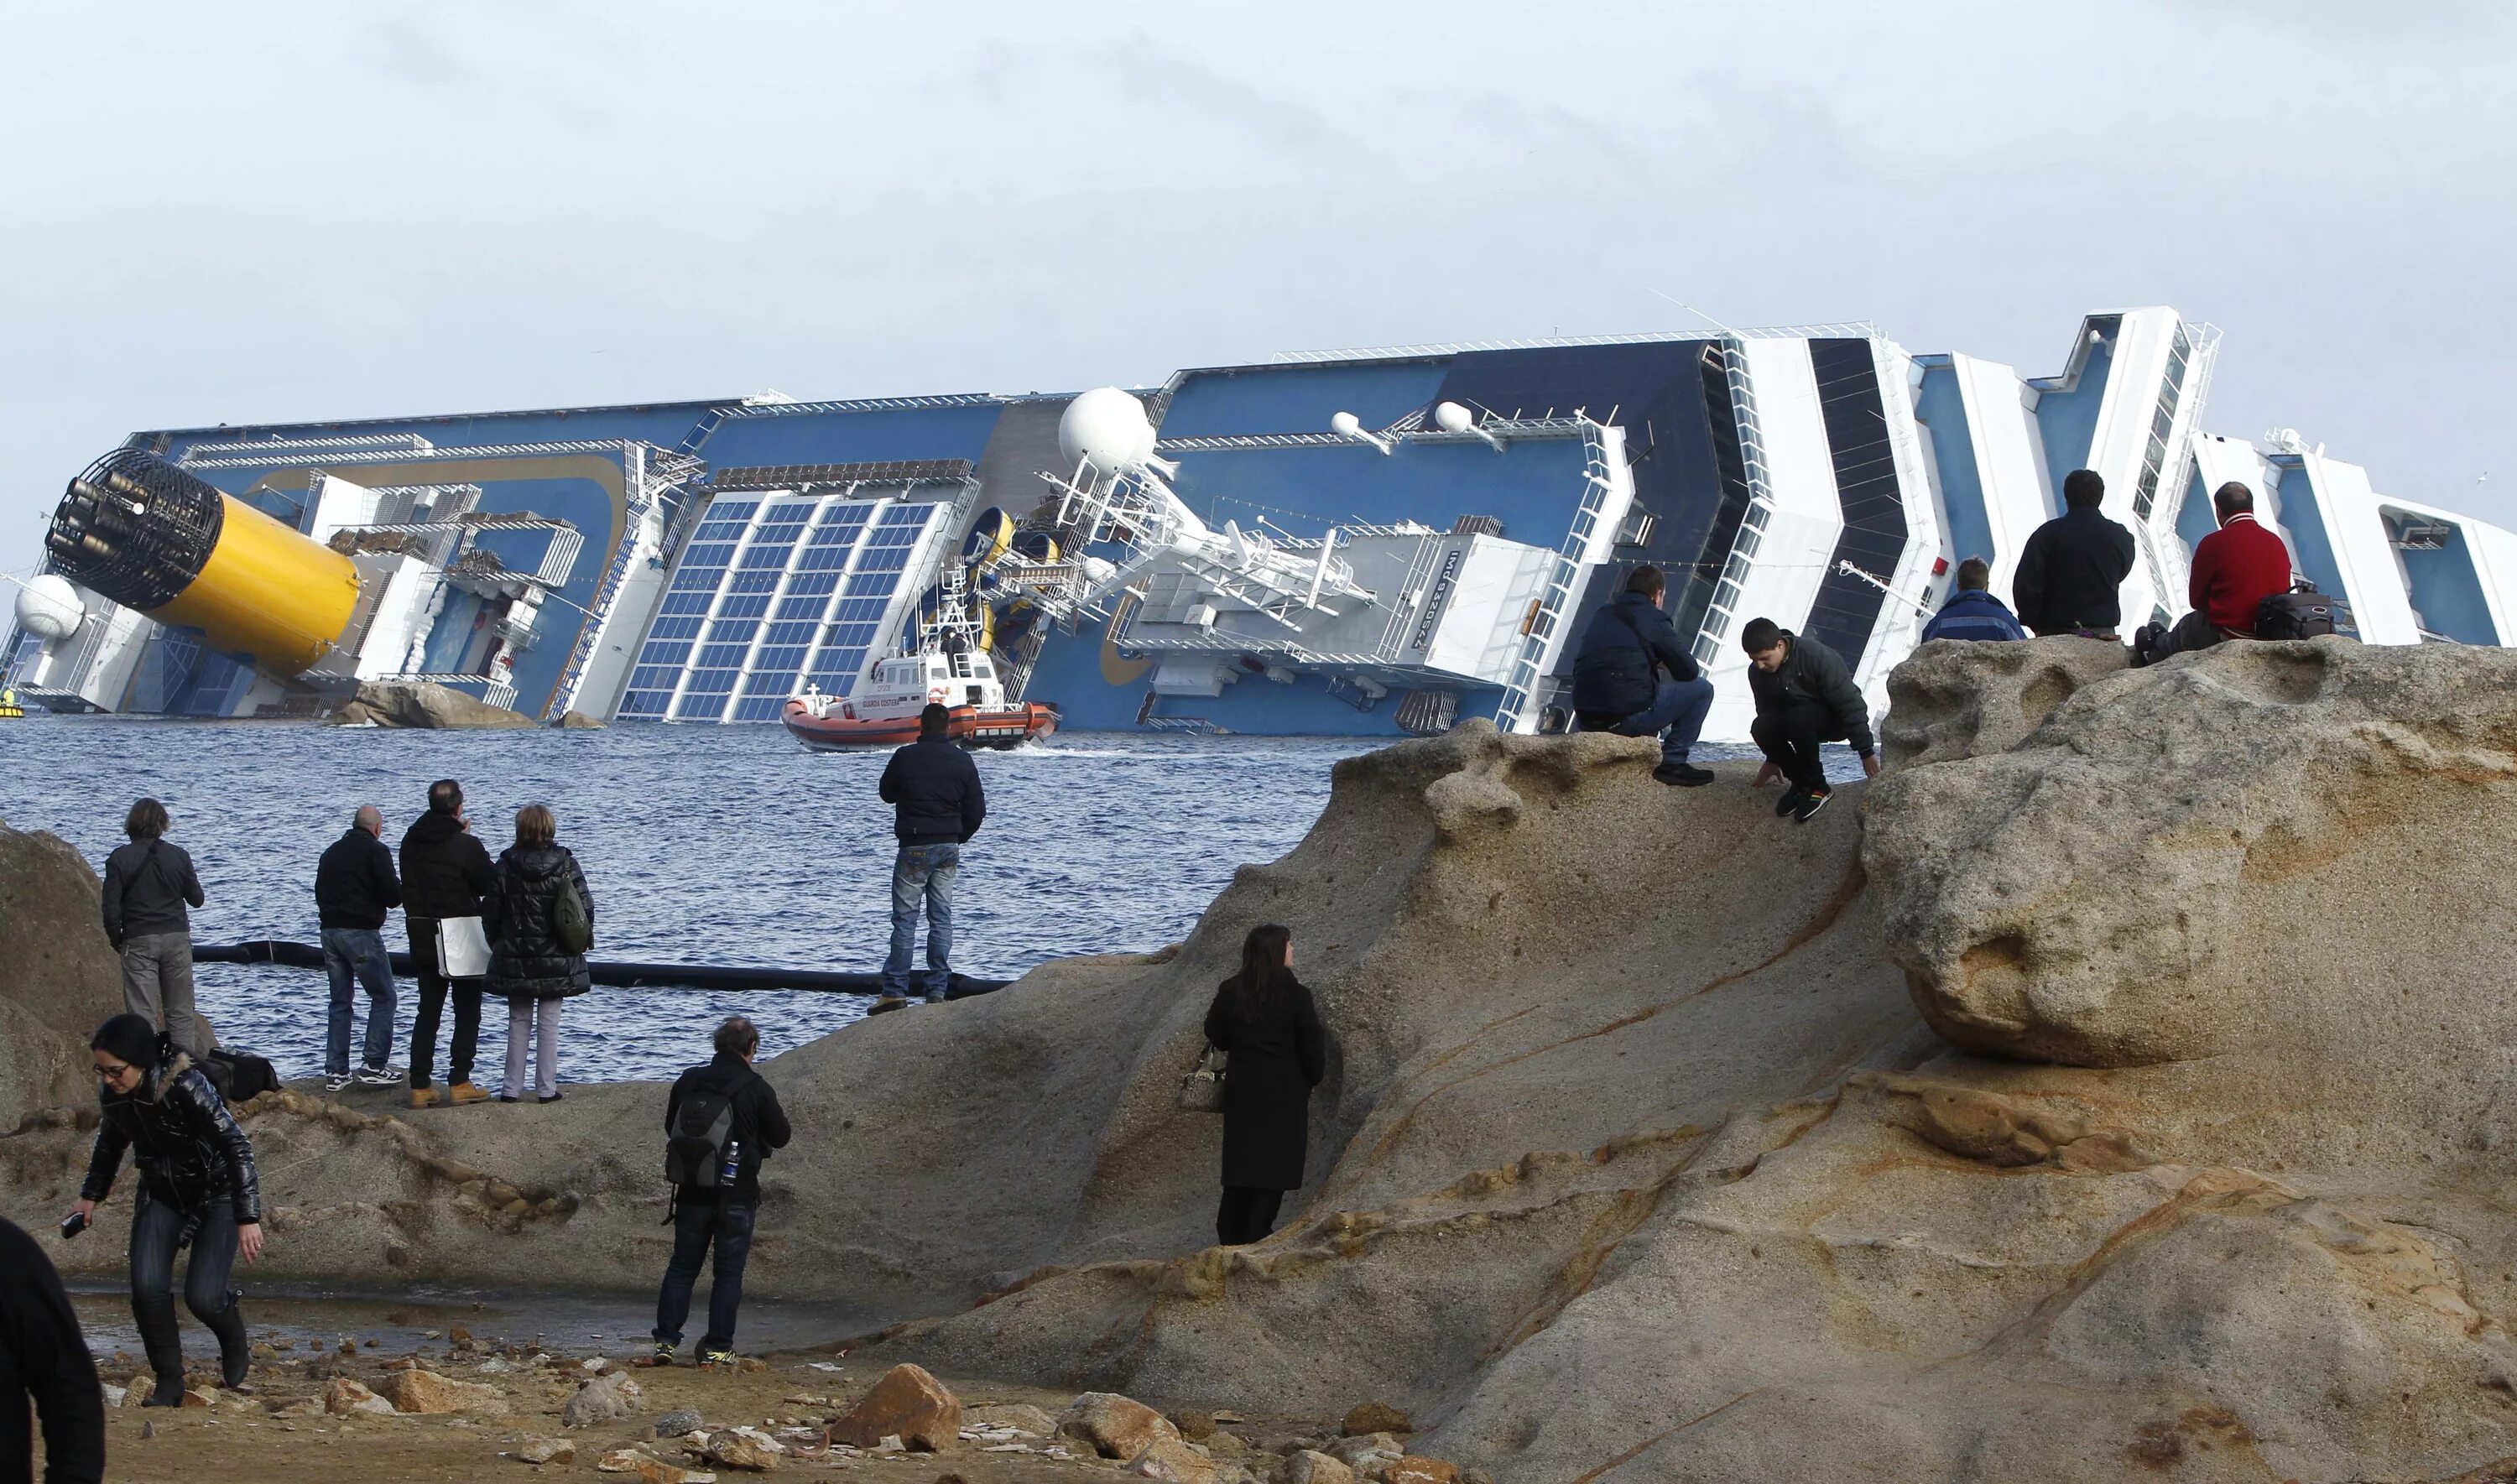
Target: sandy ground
x,y
790,1395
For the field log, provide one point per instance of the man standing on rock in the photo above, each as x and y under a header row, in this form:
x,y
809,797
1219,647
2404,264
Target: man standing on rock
x,y
355,889
1617,684
2072,566
937,805
1805,696
444,874
722,1120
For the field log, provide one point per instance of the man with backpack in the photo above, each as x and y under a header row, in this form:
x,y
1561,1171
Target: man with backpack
x,y
1617,684
722,1120
2072,565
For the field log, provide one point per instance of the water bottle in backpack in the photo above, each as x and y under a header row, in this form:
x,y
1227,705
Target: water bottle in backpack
x,y
732,1165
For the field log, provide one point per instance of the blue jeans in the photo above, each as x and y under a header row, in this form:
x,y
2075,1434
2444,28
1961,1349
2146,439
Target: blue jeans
x,y
923,871
156,1227
727,1223
1677,713
357,952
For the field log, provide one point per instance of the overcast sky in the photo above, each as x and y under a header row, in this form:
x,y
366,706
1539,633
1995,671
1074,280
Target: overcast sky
x,y
266,212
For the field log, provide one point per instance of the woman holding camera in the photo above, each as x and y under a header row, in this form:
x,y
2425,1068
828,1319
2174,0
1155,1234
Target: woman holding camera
x,y
198,1188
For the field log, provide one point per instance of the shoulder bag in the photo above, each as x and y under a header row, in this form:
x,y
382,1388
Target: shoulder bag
x,y
1202,1090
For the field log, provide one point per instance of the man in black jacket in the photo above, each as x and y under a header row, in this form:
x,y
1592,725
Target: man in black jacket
x,y
1805,696
2072,565
354,888
937,805
1617,684
723,1214
445,873
44,1357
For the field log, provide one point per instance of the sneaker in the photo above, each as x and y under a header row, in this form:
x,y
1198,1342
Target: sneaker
x,y
424,1097
1683,775
709,1359
1810,805
466,1093
662,1354
509,1097
886,1005
335,1082
382,1077
1790,804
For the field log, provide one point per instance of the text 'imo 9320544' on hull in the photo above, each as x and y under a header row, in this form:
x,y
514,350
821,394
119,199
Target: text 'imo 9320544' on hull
x,y
1365,542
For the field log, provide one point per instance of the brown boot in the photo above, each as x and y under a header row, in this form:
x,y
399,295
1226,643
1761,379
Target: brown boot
x,y
466,1093
423,1097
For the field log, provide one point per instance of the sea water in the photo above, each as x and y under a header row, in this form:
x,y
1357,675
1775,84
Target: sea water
x,y
701,844
718,845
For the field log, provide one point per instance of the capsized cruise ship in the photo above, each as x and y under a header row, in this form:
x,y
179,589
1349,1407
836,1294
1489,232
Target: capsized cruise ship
x,y
1355,542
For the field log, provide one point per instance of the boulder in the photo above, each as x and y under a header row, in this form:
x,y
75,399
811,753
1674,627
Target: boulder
x,y
1309,1465
1174,1462
1366,1452
677,1423
1954,699
63,978
425,705
541,1450
1117,1426
602,1400
909,1404
1195,1423
1375,1416
344,1397
573,720
732,1450
428,1393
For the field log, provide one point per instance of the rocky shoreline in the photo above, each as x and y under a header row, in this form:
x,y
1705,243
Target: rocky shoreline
x,y
2117,1087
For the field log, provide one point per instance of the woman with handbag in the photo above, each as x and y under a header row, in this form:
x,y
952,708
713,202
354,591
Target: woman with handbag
x,y
540,922
197,1189
1264,1019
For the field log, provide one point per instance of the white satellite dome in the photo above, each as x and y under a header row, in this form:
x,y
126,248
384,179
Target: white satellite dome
x,y
49,608
1451,417
1108,429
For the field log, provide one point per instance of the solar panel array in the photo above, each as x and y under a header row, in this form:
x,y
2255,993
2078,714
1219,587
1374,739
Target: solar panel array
x,y
771,593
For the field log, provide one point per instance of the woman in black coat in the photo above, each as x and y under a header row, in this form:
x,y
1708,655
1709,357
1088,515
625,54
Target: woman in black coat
x,y
528,966
1264,1020
197,1187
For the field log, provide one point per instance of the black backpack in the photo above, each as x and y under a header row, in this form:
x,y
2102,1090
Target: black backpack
x,y
240,1074
2303,612
695,1146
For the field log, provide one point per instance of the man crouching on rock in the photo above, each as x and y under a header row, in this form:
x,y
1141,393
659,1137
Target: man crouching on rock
x,y
720,1123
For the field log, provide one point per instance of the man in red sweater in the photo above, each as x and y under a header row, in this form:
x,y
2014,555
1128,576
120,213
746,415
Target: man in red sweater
x,y
2235,568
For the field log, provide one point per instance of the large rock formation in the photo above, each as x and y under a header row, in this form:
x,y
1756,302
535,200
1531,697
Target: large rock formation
x,y
424,704
1635,1156
59,977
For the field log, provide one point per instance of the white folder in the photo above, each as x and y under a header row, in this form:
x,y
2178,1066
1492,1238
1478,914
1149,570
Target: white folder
x,y
462,948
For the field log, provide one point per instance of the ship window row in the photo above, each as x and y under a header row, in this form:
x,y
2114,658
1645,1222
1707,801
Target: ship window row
x,y
743,608
856,610
715,656
737,511
711,683
725,631
789,658
759,707
650,676
790,633
876,559
777,685
842,530
687,603
645,703
812,585
913,516
711,554
753,582
718,531
823,558
676,628
665,652
767,556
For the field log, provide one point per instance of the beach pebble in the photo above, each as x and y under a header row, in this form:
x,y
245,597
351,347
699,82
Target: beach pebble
x,y
675,1423
538,1450
603,1399
1375,1416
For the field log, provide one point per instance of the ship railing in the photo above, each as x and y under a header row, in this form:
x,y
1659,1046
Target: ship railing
x,y
497,693
1517,710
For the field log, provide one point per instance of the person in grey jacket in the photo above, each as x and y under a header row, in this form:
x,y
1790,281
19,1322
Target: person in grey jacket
x,y
147,885
1805,696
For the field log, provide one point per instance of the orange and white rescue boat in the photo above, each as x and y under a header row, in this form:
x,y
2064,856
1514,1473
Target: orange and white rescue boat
x,y
886,714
